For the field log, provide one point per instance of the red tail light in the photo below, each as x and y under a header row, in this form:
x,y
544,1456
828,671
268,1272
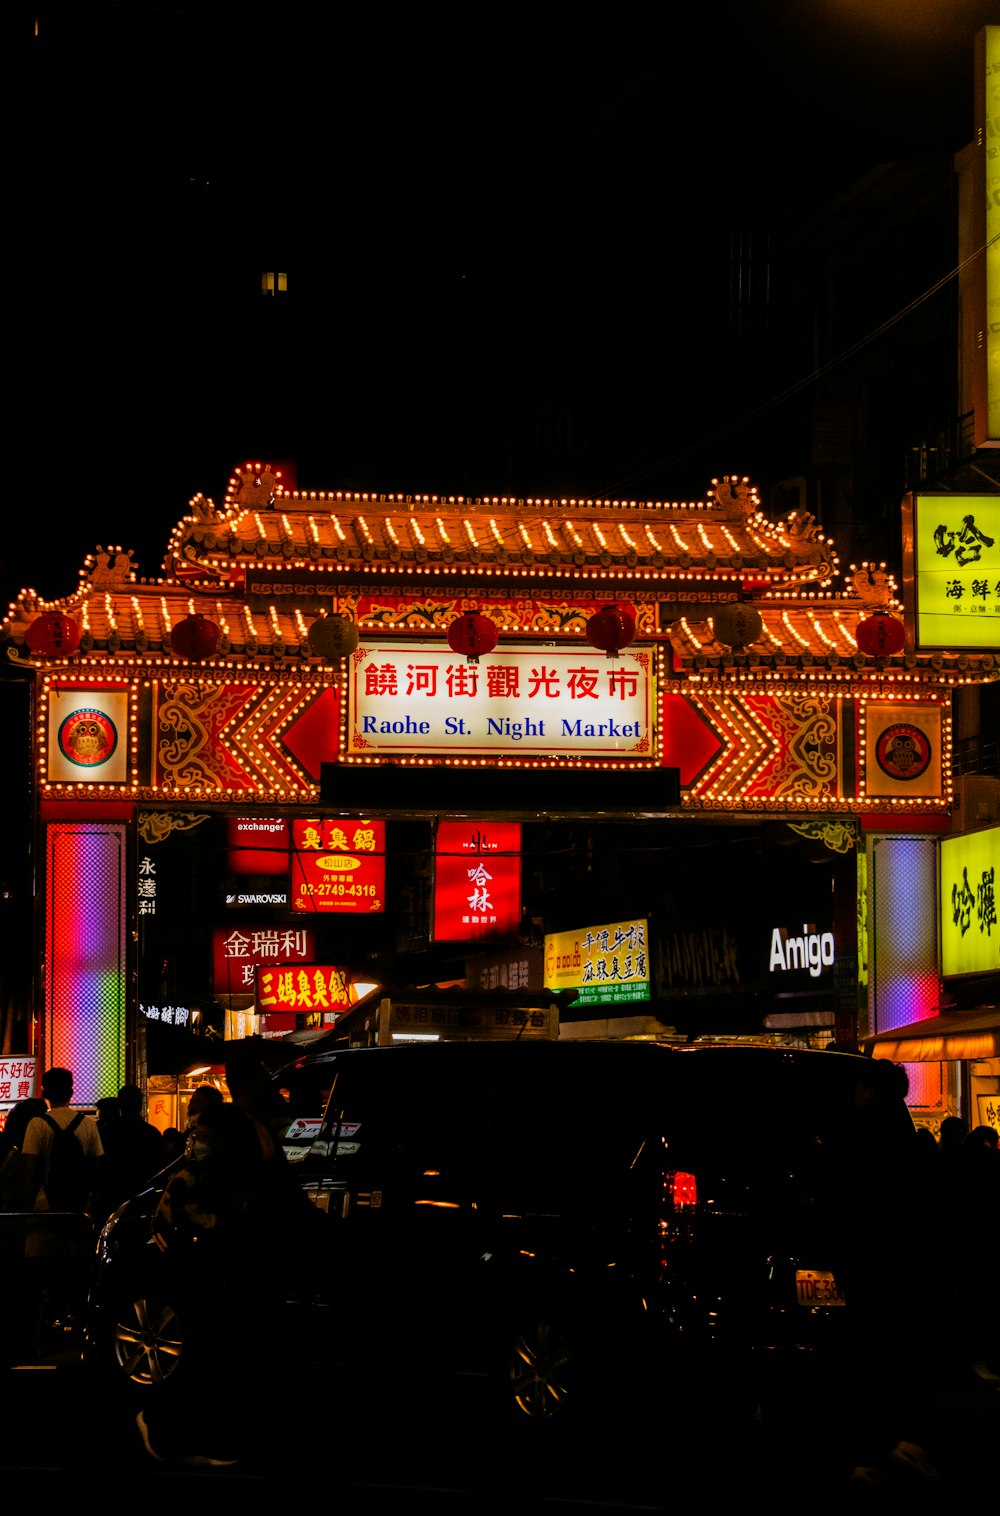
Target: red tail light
x,y
682,1188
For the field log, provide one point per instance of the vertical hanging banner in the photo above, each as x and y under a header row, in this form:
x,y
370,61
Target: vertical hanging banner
x,y
477,880
88,736
969,928
86,953
338,865
986,186
902,750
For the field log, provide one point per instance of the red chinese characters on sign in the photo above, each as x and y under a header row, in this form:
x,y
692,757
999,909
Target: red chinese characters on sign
x,y
237,953
338,865
477,880
310,987
18,1081
502,681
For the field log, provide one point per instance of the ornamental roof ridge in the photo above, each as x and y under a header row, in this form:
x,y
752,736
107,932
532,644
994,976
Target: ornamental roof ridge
x,y
256,486
263,521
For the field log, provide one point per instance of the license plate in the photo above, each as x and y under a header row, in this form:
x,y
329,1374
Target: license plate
x,y
816,1287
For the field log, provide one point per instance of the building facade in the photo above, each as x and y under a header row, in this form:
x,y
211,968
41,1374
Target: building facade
x,y
255,774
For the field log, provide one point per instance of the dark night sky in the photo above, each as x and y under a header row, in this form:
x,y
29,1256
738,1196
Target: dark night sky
x,y
466,200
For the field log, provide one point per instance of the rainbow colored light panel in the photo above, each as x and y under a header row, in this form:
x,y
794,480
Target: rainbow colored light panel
x,y
86,952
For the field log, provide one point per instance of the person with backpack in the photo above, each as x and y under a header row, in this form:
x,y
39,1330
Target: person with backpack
x,y
61,1175
62,1154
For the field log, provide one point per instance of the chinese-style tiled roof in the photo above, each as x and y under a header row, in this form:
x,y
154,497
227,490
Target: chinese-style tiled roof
x,y
674,561
371,534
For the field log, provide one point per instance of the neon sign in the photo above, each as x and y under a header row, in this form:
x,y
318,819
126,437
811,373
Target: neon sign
x,y
813,951
477,880
338,865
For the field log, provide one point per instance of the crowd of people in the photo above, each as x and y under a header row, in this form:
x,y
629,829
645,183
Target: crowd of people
x,y
918,1246
917,1240
226,1200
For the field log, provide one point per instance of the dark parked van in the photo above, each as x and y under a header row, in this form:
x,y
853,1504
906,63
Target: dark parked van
x,y
567,1221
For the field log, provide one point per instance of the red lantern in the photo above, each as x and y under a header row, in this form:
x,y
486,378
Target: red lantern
x,y
53,635
195,637
473,635
611,629
880,635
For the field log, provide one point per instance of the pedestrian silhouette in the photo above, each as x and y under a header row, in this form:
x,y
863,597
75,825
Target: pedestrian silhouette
x,y
883,1228
58,1247
12,1165
208,1228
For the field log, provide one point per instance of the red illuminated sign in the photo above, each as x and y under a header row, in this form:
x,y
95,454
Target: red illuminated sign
x,y
304,988
274,1027
237,953
338,865
258,844
477,880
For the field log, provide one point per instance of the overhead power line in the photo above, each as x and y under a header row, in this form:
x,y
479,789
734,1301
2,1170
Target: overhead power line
x,y
806,381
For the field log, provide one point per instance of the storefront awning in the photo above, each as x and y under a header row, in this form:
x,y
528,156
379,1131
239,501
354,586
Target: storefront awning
x,y
941,1039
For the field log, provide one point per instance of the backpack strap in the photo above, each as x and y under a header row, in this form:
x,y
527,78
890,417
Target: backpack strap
x,y
53,1123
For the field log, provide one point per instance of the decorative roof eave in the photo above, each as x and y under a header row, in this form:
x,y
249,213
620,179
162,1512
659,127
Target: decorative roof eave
x,y
368,534
368,547
864,674
279,655
517,567
808,634
426,554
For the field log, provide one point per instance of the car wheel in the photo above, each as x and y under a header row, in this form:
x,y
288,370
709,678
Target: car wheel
x,y
543,1372
148,1341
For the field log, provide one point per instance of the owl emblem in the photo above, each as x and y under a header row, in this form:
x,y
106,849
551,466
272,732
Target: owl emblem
x,y
87,738
903,752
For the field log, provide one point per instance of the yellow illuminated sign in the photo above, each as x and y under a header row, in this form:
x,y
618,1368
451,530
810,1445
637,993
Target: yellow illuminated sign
x,y
956,546
604,964
970,936
990,84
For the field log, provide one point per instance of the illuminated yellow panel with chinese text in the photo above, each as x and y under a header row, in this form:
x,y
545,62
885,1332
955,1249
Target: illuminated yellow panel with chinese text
x,y
989,84
956,542
970,936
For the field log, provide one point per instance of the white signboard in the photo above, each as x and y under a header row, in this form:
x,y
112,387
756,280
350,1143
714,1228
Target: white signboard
x,y
18,1081
519,700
